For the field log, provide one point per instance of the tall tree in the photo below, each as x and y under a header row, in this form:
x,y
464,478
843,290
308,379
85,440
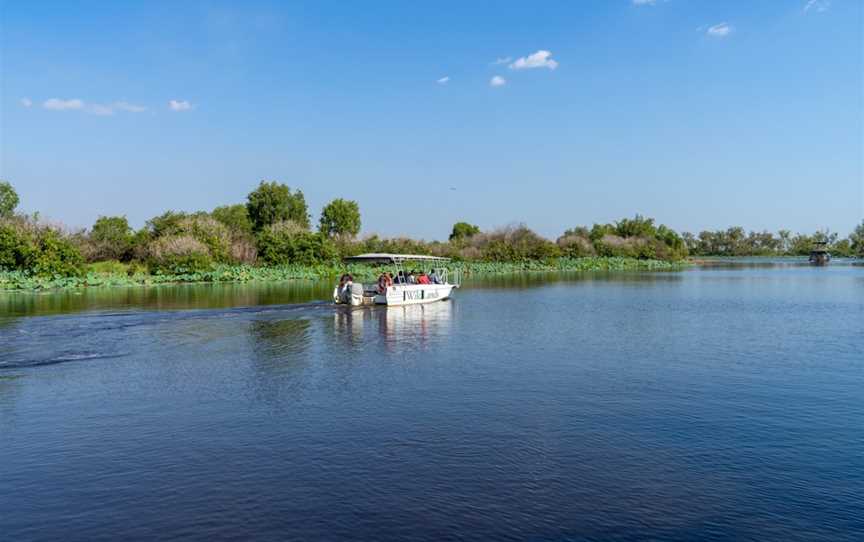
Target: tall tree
x,y
113,237
463,230
274,202
857,239
340,217
8,200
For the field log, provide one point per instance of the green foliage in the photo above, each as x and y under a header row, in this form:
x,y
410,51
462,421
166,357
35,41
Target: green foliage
x,y
463,230
15,247
8,200
736,242
235,218
111,239
38,250
165,224
856,240
638,226
178,254
16,280
340,218
510,244
200,226
281,244
274,202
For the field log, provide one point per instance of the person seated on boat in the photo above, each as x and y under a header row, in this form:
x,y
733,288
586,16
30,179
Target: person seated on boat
x,y
400,278
345,279
382,283
389,278
412,277
433,277
423,278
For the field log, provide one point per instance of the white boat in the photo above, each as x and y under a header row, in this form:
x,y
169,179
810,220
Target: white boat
x,y
398,293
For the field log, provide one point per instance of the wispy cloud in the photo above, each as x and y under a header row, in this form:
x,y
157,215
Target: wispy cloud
x,y
444,80
720,30
502,60
817,5
540,59
497,81
57,104
131,108
75,104
25,102
179,105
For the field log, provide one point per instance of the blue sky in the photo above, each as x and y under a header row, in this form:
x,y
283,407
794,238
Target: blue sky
x,y
700,114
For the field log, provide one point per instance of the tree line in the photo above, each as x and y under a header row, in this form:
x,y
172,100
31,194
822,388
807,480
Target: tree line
x,y
273,228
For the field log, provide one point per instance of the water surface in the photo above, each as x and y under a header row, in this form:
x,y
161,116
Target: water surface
x,y
718,403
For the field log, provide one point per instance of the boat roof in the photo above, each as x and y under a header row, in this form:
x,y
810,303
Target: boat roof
x,y
384,257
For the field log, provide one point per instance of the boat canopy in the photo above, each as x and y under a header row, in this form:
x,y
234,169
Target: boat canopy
x,y
394,258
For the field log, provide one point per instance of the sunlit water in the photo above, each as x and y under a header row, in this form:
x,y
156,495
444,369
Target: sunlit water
x,y
720,403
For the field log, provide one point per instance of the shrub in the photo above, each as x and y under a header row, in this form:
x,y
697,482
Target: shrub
x,y
178,255
235,218
211,233
575,246
288,243
37,249
512,244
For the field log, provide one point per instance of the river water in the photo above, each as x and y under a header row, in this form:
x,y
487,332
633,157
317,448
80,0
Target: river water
x,y
717,403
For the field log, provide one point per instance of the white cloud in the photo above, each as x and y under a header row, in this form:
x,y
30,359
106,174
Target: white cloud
x,y
720,30
179,105
817,5
131,108
540,59
644,2
502,60
497,81
444,80
26,102
57,104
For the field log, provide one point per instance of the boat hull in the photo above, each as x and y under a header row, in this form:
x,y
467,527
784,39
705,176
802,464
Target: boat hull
x,y
414,294
398,295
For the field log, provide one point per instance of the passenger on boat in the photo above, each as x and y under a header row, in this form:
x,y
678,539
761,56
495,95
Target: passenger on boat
x,y
389,279
412,277
423,279
434,278
383,283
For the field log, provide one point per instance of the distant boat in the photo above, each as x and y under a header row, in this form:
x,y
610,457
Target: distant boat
x,y
398,293
820,255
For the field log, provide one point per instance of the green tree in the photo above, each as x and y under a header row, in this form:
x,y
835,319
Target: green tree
x,y
235,218
856,239
274,202
463,230
8,200
112,238
340,217
285,243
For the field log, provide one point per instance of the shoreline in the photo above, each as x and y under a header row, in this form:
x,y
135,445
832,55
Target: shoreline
x,y
16,281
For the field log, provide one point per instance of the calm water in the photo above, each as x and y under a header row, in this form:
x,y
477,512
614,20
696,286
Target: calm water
x,y
722,403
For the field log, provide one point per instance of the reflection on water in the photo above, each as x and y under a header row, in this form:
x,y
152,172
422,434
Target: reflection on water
x,y
413,325
164,297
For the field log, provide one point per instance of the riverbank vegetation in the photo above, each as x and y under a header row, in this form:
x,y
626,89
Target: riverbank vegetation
x,y
270,237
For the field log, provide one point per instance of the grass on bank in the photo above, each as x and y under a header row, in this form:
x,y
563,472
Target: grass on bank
x,y
113,273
